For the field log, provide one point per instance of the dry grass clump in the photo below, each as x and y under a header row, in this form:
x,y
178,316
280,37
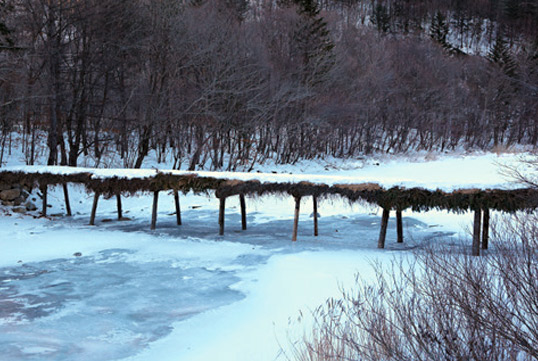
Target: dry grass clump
x,y
361,187
467,191
442,304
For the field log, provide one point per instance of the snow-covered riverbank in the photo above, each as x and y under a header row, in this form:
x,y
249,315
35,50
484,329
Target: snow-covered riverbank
x,y
69,291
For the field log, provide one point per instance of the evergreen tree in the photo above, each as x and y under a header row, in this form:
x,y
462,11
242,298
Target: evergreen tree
x,y
512,9
6,43
500,55
308,7
533,54
460,21
439,30
314,44
381,18
238,8
400,13
533,57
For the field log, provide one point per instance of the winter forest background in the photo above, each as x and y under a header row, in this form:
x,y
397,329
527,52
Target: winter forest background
x,y
223,84
269,86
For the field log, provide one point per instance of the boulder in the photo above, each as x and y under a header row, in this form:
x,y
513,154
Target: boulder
x,y
18,201
30,206
25,194
19,209
10,194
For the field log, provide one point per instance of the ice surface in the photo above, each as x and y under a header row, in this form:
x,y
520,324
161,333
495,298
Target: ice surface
x,y
180,293
185,293
101,307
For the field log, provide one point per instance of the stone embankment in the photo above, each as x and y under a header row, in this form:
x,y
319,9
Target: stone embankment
x,y
16,196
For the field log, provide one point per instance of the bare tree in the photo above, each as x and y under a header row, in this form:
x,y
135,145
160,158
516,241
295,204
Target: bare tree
x,y
223,84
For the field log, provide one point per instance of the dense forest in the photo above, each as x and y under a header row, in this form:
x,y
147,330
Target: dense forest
x,y
228,83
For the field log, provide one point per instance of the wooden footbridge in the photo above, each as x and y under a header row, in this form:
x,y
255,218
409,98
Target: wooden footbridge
x,y
110,183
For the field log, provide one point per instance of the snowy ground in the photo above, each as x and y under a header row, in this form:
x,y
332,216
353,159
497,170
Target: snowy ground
x,y
69,291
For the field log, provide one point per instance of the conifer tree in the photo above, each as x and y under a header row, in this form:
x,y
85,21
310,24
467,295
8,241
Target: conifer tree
x,y
439,30
500,55
512,9
238,8
314,43
381,18
533,54
400,13
307,7
6,43
460,21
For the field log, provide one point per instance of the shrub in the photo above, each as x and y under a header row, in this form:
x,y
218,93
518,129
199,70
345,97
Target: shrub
x,y
440,304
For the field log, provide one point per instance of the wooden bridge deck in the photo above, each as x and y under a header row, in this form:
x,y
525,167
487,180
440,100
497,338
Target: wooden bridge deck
x,y
115,182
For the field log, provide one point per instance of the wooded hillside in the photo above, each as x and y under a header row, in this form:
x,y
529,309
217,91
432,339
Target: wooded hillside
x,y
233,82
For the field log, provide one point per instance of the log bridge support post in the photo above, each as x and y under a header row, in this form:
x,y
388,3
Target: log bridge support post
x,y
296,218
94,208
384,224
485,229
399,226
178,209
315,206
44,190
154,210
476,232
243,206
66,198
118,206
222,208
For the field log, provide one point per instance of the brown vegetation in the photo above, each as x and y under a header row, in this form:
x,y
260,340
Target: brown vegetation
x,y
283,80
396,198
443,305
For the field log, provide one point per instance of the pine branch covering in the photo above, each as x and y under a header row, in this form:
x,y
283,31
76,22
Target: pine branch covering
x,y
397,198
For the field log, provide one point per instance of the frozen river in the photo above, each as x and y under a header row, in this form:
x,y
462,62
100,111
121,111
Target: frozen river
x,y
102,307
118,291
73,292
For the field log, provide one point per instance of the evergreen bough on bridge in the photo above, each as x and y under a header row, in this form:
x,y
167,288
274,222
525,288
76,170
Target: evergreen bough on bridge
x,y
480,201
